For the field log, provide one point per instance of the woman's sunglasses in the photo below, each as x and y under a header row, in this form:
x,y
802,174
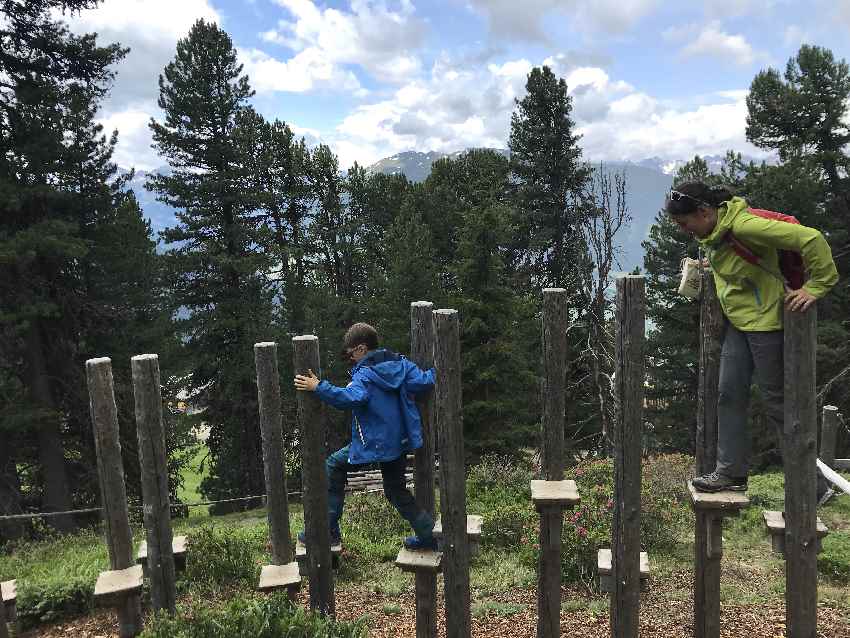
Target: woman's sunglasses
x,y
678,196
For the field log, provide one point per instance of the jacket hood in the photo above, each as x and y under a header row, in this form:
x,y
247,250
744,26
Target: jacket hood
x,y
384,368
727,213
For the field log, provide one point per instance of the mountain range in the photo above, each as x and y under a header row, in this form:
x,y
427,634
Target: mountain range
x,y
647,182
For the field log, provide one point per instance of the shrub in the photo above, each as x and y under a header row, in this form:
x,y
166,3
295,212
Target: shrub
x,y
504,525
249,617
225,556
834,560
498,479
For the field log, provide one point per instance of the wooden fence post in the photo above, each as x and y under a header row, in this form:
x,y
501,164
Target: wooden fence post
x,y
305,354
119,537
706,569
452,475
828,435
554,337
154,466
628,424
268,396
422,337
4,630
801,572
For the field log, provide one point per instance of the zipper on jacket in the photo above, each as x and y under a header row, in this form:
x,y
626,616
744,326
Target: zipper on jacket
x,y
755,289
359,430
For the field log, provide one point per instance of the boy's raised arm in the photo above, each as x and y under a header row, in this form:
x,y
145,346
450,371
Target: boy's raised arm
x,y
417,380
355,393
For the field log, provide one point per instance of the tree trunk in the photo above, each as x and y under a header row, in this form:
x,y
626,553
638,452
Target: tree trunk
x,y
51,454
10,494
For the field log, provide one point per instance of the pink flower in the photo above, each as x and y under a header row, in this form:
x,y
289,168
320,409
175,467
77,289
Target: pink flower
x,y
610,503
581,531
579,472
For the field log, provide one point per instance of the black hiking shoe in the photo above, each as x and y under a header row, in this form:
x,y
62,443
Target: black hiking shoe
x,y
717,482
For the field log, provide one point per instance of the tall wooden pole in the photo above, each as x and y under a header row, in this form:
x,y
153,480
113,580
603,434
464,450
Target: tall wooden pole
x,y
119,537
154,466
555,319
422,338
268,396
305,354
707,568
452,475
828,435
628,424
801,571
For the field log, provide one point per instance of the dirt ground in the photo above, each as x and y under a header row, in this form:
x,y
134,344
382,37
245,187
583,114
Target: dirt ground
x,y
393,617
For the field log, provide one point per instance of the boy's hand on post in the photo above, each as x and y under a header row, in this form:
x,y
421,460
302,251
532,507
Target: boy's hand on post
x,y
799,300
307,383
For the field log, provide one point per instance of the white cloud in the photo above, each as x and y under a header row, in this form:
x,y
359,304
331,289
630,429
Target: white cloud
x,y
737,8
381,40
710,40
134,140
306,71
524,20
457,108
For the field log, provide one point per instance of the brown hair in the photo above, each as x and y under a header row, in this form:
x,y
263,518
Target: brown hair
x,y
361,333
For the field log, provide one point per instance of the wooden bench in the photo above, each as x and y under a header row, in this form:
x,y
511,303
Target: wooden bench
x,y
412,561
301,556
603,566
274,577
178,548
112,586
775,522
9,595
473,532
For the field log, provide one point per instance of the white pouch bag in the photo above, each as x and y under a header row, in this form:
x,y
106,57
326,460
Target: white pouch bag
x,y
690,284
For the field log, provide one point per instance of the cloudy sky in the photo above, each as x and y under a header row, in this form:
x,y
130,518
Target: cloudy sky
x,y
375,77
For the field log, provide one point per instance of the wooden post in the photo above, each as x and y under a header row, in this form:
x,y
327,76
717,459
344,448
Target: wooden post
x,y
707,569
422,338
801,572
305,354
4,630
119,537
153,460
828,435
268,396
452,475
554,328
628,426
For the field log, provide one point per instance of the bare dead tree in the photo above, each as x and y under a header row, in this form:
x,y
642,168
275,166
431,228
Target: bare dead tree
x,y
606,198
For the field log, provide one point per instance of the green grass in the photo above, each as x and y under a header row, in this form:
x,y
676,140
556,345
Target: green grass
x,y
193,473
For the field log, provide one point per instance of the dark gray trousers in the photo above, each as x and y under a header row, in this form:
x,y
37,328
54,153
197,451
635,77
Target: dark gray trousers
x,y
743,354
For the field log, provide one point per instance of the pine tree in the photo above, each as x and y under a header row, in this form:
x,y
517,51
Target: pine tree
x,y
550,181
215,271
54,164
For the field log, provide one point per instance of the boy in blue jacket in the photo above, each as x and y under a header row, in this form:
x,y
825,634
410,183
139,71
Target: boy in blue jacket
x,y
385,426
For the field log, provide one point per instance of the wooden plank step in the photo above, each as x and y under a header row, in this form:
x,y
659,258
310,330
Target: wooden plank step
x,y
178,548
9,591
473,527
564,493
119,582
775,522
412,561
301,549
279,576
723,503
603,563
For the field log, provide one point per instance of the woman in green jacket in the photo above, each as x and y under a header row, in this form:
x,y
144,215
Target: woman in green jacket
x,y
752,296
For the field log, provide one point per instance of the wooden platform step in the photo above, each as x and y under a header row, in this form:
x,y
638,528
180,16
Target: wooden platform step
x,y
279,576
178,548
721,503
473,532
412,561
548,493
775,522
9,591
9,596
119,582
301,556
603,567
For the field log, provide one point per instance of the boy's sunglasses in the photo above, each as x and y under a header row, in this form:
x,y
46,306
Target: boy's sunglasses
x,y
678,196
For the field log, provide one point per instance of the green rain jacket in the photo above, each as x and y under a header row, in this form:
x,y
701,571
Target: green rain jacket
x,y
752,295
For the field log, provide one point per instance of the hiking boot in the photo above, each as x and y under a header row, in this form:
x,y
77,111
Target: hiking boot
x,y
717,482
336,539
419,543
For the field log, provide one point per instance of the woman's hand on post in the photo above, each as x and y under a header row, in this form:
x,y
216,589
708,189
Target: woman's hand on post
x,y
307,383
799,300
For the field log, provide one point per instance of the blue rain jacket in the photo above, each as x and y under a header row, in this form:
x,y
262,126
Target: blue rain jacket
x,y
384,418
